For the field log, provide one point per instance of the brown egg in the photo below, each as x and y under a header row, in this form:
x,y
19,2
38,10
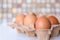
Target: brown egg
x,y
29,19
20,19
53,20
42,23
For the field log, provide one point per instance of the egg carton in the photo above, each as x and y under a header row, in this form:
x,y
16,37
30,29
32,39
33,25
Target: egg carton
x,y
27,30
46,34
55,30
43,34
30,34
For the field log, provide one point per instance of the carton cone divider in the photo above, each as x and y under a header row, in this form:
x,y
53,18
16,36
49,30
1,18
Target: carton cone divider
x,y
55,30
43,34
30,31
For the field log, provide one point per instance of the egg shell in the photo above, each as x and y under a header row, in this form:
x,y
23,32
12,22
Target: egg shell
x,y
20,19
53,20
29,19
42,23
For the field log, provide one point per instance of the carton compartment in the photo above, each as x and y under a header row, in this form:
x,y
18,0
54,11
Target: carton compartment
x,y
43,34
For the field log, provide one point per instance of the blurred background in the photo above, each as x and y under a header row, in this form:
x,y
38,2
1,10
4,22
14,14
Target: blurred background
x,y
11,8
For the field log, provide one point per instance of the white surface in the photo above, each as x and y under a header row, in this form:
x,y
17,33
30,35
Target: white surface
x,y
6,33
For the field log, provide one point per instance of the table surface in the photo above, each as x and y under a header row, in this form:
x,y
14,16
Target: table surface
x,y
7,33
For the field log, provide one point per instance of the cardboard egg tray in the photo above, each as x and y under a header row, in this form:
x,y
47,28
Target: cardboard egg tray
x,y
42,34
29,31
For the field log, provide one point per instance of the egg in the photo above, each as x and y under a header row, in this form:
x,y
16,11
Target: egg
x,y
42,23
29,19
53,20
20,19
